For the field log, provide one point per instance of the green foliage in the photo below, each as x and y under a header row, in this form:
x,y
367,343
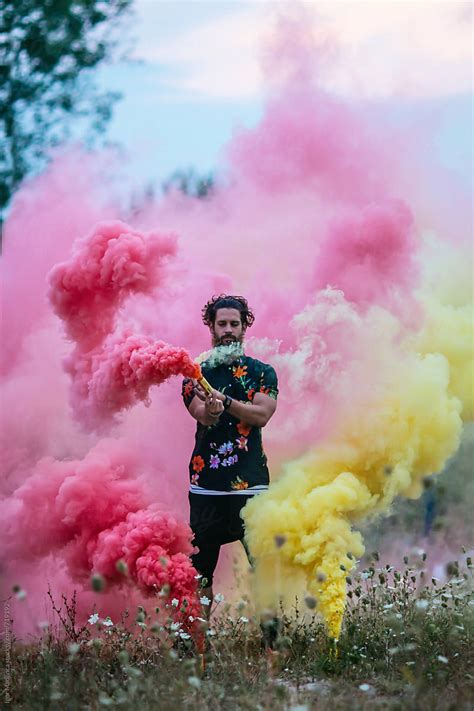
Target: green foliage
x,y
48,49
406,643
189,183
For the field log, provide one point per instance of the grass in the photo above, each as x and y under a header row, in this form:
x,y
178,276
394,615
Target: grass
x,y
407,642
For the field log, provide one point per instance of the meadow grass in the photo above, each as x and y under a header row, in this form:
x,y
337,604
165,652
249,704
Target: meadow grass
x,y
406,642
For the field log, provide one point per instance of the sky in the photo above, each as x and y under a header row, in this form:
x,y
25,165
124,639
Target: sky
x,y
195,74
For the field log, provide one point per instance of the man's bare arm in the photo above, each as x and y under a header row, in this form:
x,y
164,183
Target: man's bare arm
x,y
207,410
257,413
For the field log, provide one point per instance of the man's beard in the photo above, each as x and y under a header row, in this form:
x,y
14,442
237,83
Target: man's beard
x,y
220,341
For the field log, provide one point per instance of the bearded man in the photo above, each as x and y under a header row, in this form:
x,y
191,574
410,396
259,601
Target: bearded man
x,y
228,465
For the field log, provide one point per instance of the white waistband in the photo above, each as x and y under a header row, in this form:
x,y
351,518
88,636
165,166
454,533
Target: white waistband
x,y
194,489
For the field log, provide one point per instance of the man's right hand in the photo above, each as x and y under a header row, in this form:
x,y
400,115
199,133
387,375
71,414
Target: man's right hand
x,y
199,391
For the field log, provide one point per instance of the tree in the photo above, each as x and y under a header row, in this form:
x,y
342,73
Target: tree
x,y
190,183
48,49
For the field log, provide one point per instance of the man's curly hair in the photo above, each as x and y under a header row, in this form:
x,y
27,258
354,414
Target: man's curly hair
x,y
227,301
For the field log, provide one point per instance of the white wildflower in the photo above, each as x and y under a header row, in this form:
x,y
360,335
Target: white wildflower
x,y
93,619
204,600
107,622
175,626
243,619
364,687
421,604
198,577
184,635
219,597
175,602
443,660
191,618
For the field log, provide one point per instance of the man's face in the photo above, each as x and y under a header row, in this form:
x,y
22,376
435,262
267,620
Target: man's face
x,y
227,327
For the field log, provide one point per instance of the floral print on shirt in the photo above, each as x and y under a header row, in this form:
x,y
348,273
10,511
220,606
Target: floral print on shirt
x,y
239,484
216,461
228,455
243,429
198,464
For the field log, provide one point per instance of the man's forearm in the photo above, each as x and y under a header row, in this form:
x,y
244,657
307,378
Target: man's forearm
x,y
199,413
255,414
251,414
248,412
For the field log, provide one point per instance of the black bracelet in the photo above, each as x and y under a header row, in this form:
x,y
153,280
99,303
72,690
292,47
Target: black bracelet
x,y
227,402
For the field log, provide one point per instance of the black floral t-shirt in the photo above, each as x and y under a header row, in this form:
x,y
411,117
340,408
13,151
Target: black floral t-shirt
x,y
228,456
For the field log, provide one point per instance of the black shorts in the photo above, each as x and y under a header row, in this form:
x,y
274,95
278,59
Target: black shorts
x,y
214,520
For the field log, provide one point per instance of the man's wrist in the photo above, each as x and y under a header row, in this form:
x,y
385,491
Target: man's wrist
x,y
227,402
213,417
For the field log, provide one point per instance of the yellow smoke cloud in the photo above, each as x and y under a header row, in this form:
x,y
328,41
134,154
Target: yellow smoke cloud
x,y
448,330
395,429
446,299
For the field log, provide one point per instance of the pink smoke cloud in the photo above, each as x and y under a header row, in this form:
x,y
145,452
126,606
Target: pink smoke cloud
x,y
110,263
371,256
113,378
309,140
317,193
112,371
47,215
94,513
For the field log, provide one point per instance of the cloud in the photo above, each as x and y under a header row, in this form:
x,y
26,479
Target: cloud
x,y
217,59
384,48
